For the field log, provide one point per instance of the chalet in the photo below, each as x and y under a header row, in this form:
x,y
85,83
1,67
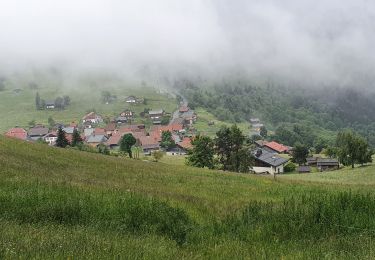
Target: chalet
x,y
304,169
92,118
268,162
68,130
17,132
131,99
127,113
189,117
185,144
114,141
312,161
274,147
156,115
37,132
327,164
183,109
149,144
95,140
50,104
99,131
110,129
50,138
176,151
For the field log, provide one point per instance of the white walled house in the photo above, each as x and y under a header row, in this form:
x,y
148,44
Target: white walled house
x,y
93,118
50,138
266,162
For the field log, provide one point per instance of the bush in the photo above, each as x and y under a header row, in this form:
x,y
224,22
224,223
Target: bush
x,y
290,167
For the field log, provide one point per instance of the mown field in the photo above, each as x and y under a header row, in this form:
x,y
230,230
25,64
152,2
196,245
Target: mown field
x,y
58,203
18,109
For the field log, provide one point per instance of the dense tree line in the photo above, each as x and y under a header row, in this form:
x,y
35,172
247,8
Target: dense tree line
x,y
321,111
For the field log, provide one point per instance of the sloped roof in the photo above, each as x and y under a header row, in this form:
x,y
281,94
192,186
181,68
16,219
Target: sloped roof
x,y
91,115
156,112
271,159
304,169
17,132
114,139
110,127
280,148
96,139
327,162
69,129
186,143
148,142
38,131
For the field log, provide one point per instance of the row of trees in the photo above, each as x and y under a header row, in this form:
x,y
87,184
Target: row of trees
x,y
351,149
59,103
228,151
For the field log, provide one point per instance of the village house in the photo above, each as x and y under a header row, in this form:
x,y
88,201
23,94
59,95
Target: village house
x,y
92,118
312,161
149,144
134,100
176,151
125,117
114,141
131,99
189,117
268,162
274,147
156,115
50,138
110,129
183,109
37,132
327,164
17,132
95,140
50,104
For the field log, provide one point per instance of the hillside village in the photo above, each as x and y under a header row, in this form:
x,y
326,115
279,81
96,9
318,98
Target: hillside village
x,y
270,157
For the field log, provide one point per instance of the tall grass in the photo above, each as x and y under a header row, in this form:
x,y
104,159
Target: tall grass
x,y
120,212
310,217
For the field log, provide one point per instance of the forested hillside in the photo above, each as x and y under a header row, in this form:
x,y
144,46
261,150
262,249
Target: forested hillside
x,y
308,115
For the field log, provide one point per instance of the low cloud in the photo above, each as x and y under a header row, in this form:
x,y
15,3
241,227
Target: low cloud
x,y
303,42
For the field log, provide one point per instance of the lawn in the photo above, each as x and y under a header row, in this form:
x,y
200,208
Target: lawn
x,y
51,198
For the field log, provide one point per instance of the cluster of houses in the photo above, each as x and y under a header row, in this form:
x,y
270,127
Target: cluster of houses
x,y
268,159
111,134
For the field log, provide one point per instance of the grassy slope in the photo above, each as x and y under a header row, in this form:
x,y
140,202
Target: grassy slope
x,y
204,117
19,109
203,194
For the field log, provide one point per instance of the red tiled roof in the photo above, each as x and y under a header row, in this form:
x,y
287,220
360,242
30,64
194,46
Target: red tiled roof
x,y
147,140
110,127
17,132
280,148
100,131
114,139
186,143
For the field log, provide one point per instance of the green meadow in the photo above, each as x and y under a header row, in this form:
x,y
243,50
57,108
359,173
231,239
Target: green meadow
x,y
18,109
62,203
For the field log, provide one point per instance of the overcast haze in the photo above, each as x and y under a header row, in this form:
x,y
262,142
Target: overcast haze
x,y
328,42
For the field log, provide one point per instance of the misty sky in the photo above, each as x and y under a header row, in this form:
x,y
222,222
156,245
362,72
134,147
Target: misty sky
x,y
327,41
